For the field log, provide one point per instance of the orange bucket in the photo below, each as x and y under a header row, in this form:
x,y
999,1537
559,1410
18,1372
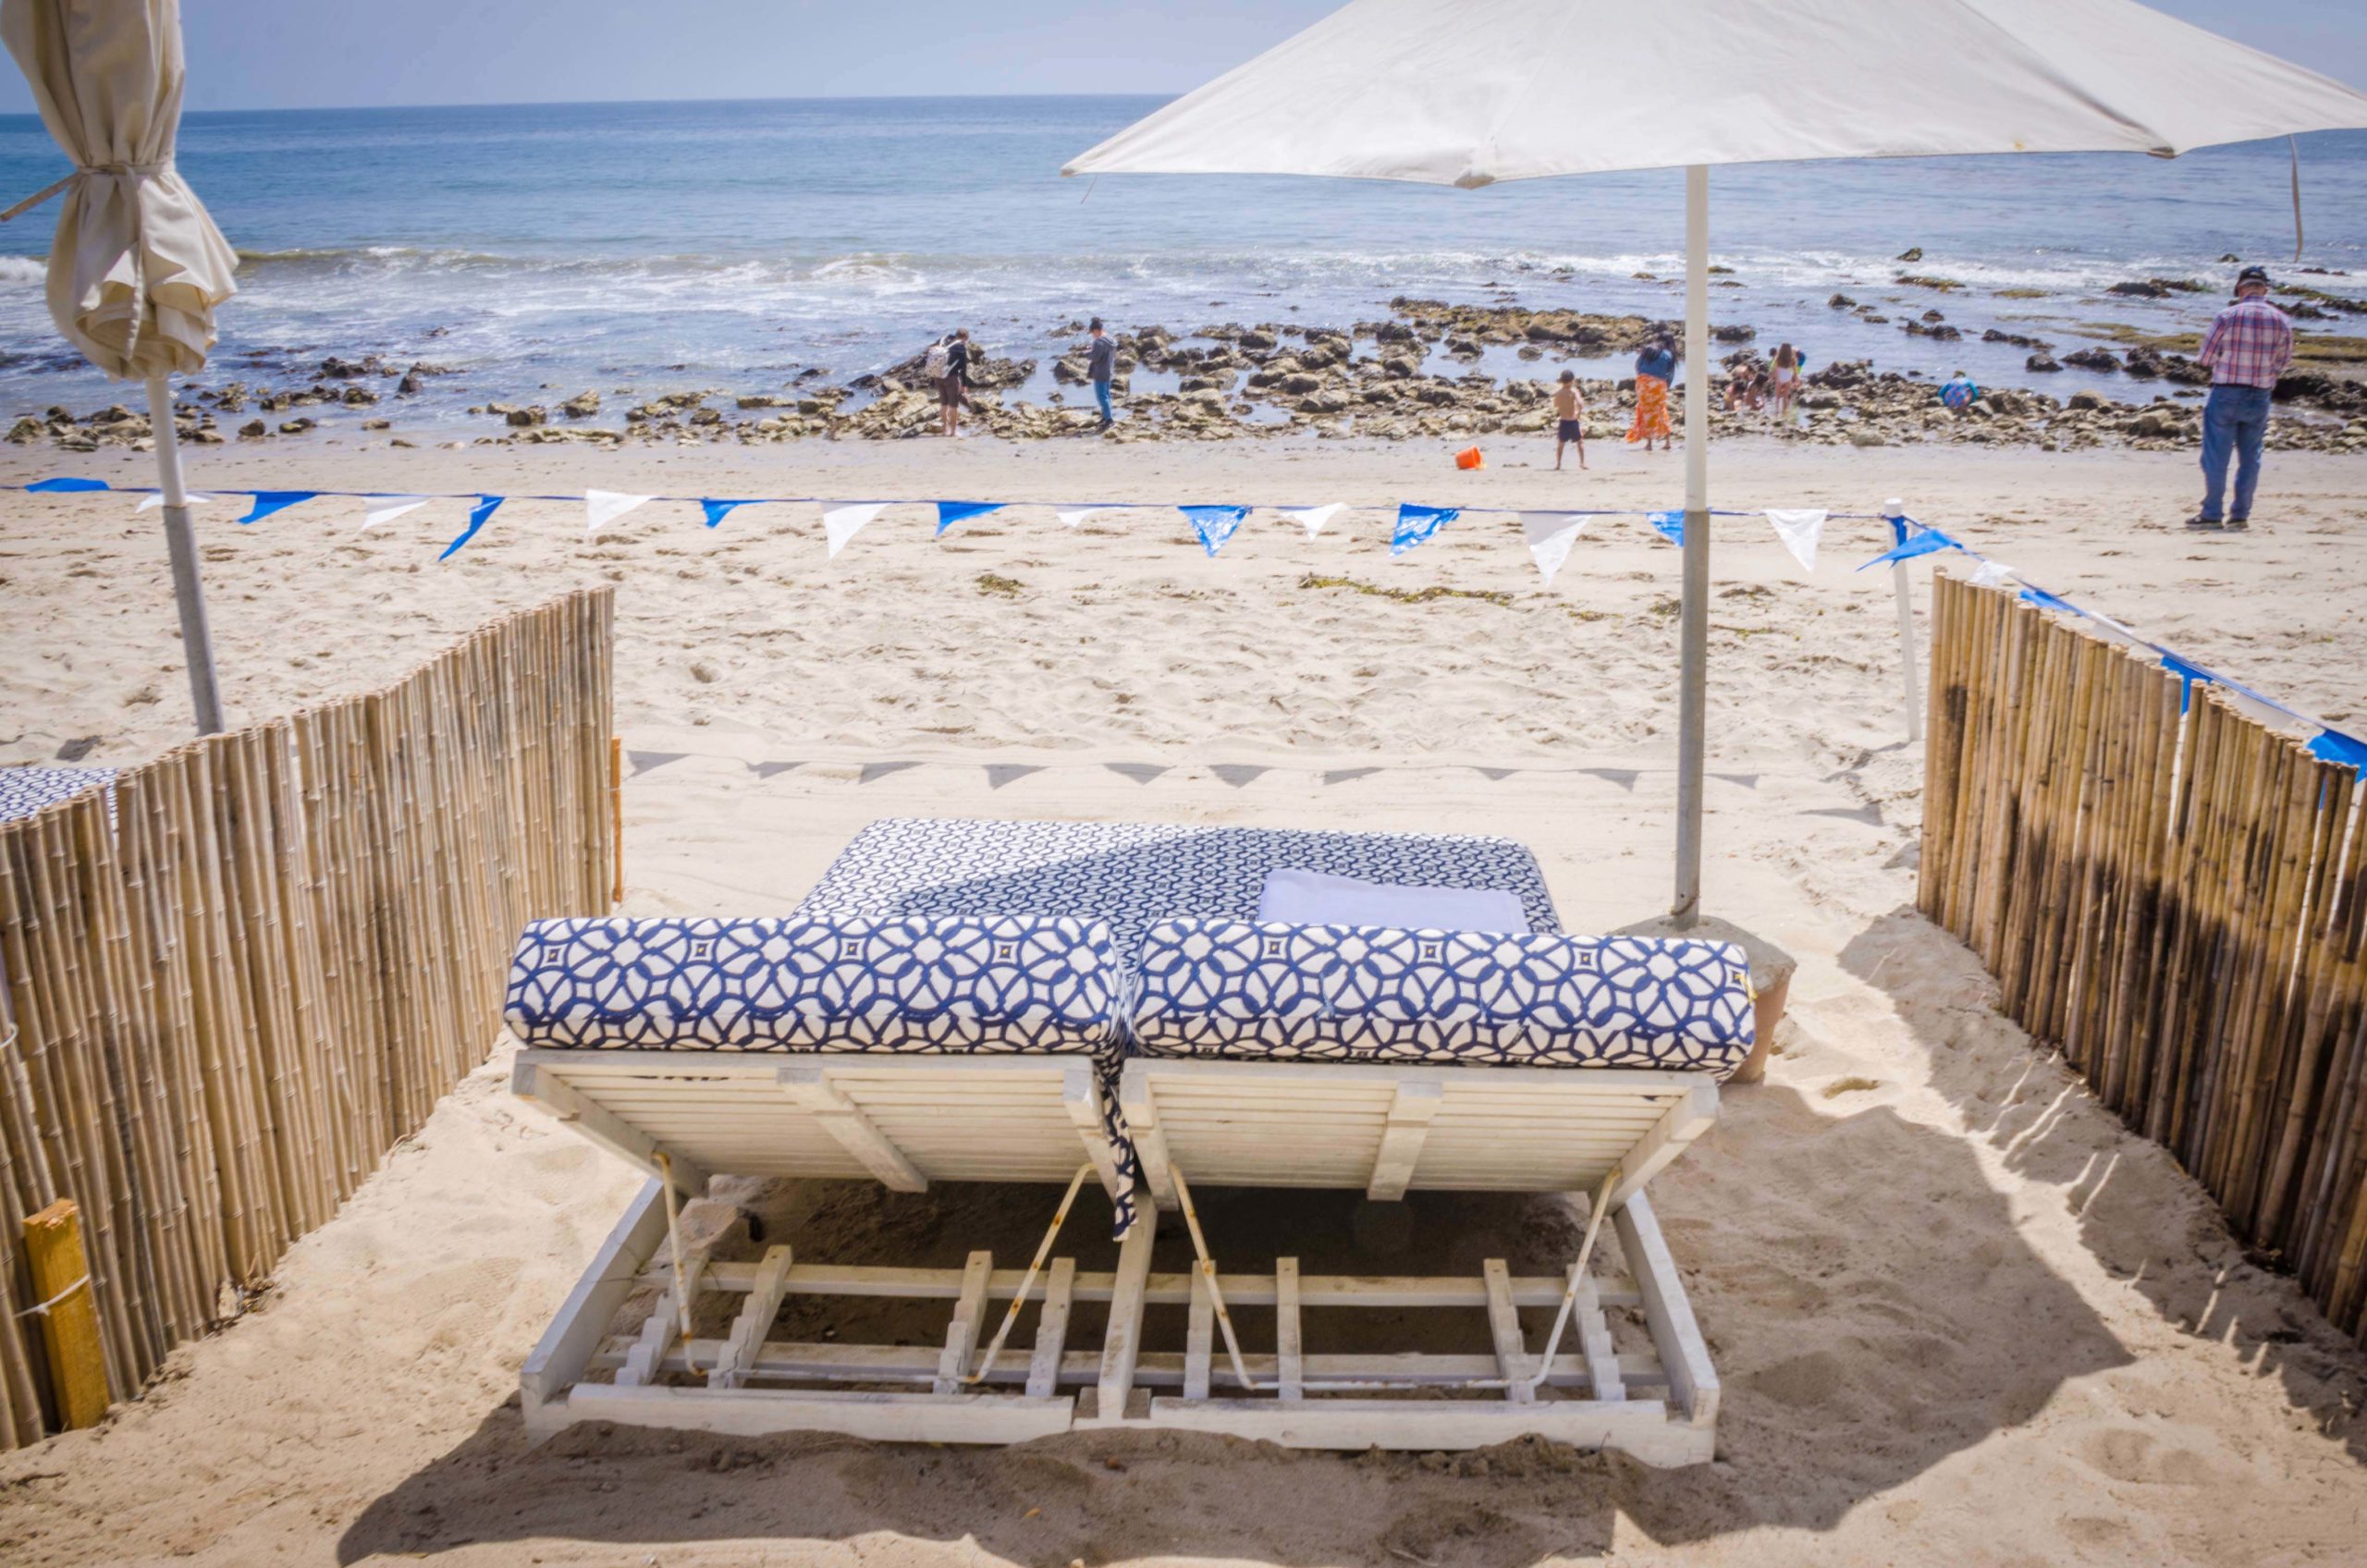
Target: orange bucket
x,y
1469,458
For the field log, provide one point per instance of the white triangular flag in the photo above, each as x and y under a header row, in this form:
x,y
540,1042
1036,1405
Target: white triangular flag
x,y
1550,534
153,502
1799,529
376,510
1077,517
1992,575
843,523
1313,519
602,508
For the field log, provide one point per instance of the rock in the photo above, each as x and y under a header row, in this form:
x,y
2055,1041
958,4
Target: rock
x,y
1733,334
1912,253
1842,303
377,425
1914,280
524,419
2042,364
2092,359
358,398
254,427
1258,340
297,426
1866,438
409,386
2087,402
27,430
2153,422
584,405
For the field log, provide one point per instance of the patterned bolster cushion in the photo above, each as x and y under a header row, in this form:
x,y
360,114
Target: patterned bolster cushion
x,y
1339,993
956,984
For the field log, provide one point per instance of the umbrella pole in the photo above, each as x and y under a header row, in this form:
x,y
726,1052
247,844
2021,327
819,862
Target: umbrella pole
x,y
180,541
1693,622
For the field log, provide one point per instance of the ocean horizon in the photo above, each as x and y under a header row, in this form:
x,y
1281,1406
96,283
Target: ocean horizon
x,y
654,246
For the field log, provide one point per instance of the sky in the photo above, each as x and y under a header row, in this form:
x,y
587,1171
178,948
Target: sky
x,y
318,53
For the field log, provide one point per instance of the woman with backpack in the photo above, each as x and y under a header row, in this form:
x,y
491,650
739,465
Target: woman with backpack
x,y
942,366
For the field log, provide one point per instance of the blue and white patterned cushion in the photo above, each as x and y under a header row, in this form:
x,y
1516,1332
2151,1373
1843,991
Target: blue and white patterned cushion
x,y
1132,874
1231,989
967,983
24,791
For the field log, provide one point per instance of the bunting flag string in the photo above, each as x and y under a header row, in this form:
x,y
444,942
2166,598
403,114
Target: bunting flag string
x,y
843,523
386,508
1215,525
1313,519
602,508
486,506
1550,536
1799,529
1418,525
269,501
950,512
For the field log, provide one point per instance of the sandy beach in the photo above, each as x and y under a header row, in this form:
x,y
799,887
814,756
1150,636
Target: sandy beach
x,y
1963,1316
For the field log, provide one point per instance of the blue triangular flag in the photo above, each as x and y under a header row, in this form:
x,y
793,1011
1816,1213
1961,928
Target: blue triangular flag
x,y
270,501
2333,746
1668,525
717,511
2188,674
950,512
1930,542
1214,524
477,514
58,487
1418,525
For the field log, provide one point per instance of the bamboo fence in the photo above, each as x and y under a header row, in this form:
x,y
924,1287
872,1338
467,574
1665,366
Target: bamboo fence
x,y
2174,893
230,986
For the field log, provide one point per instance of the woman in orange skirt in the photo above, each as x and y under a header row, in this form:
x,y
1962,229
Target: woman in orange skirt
x,y
1655,368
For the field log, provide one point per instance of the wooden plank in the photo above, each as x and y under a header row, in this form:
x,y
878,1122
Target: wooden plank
x,y
60,1271
809,1085
962,1334
1199,1339
1123,1344
560,1356
880,1417
918,1364
1162,1290
1685,1120
1400,1145
1517,1081
1641,1427
1693,1382
596,1125
1290,1380
1594,1335
1080,1095
739,1352
1052,1330
1140,1108
1504,1326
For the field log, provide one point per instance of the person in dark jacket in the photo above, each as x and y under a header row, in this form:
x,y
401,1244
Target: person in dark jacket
x,y
1100,366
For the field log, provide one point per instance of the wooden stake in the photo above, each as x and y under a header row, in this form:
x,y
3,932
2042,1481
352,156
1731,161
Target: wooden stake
x,y
69,1316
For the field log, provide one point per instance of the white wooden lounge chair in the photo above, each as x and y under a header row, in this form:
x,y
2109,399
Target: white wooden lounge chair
x,y
1294,1116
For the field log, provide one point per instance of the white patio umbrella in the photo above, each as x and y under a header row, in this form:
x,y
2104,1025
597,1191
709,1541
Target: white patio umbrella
x,y
137,266
1472,91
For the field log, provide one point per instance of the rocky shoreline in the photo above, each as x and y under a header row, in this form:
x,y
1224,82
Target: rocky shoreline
x,y
1415,375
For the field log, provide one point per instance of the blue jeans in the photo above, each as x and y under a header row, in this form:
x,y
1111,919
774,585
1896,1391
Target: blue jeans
x,y
1101,396
2234,422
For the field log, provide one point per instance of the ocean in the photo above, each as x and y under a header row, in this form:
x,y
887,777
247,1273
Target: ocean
x,y
543,250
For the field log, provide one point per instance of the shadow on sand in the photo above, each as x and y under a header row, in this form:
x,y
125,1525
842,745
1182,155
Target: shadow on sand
x,y
1867,1297
2037,1112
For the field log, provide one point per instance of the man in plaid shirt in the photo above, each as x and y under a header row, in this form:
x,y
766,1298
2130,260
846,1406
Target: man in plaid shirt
x,y
2247,350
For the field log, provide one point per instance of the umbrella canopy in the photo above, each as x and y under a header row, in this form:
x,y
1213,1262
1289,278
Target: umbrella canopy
x,y
1472,91
138,266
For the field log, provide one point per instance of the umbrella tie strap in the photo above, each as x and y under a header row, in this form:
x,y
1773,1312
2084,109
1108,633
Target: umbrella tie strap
x,y
142,171
146,171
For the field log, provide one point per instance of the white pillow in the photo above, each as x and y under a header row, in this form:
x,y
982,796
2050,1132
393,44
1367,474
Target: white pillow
x,y
1310,898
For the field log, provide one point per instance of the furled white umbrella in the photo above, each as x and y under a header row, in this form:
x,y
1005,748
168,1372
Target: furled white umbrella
x,y
137,267
1470,93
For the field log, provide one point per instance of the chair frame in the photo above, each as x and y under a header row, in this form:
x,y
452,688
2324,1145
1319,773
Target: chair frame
x,y
907,1120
